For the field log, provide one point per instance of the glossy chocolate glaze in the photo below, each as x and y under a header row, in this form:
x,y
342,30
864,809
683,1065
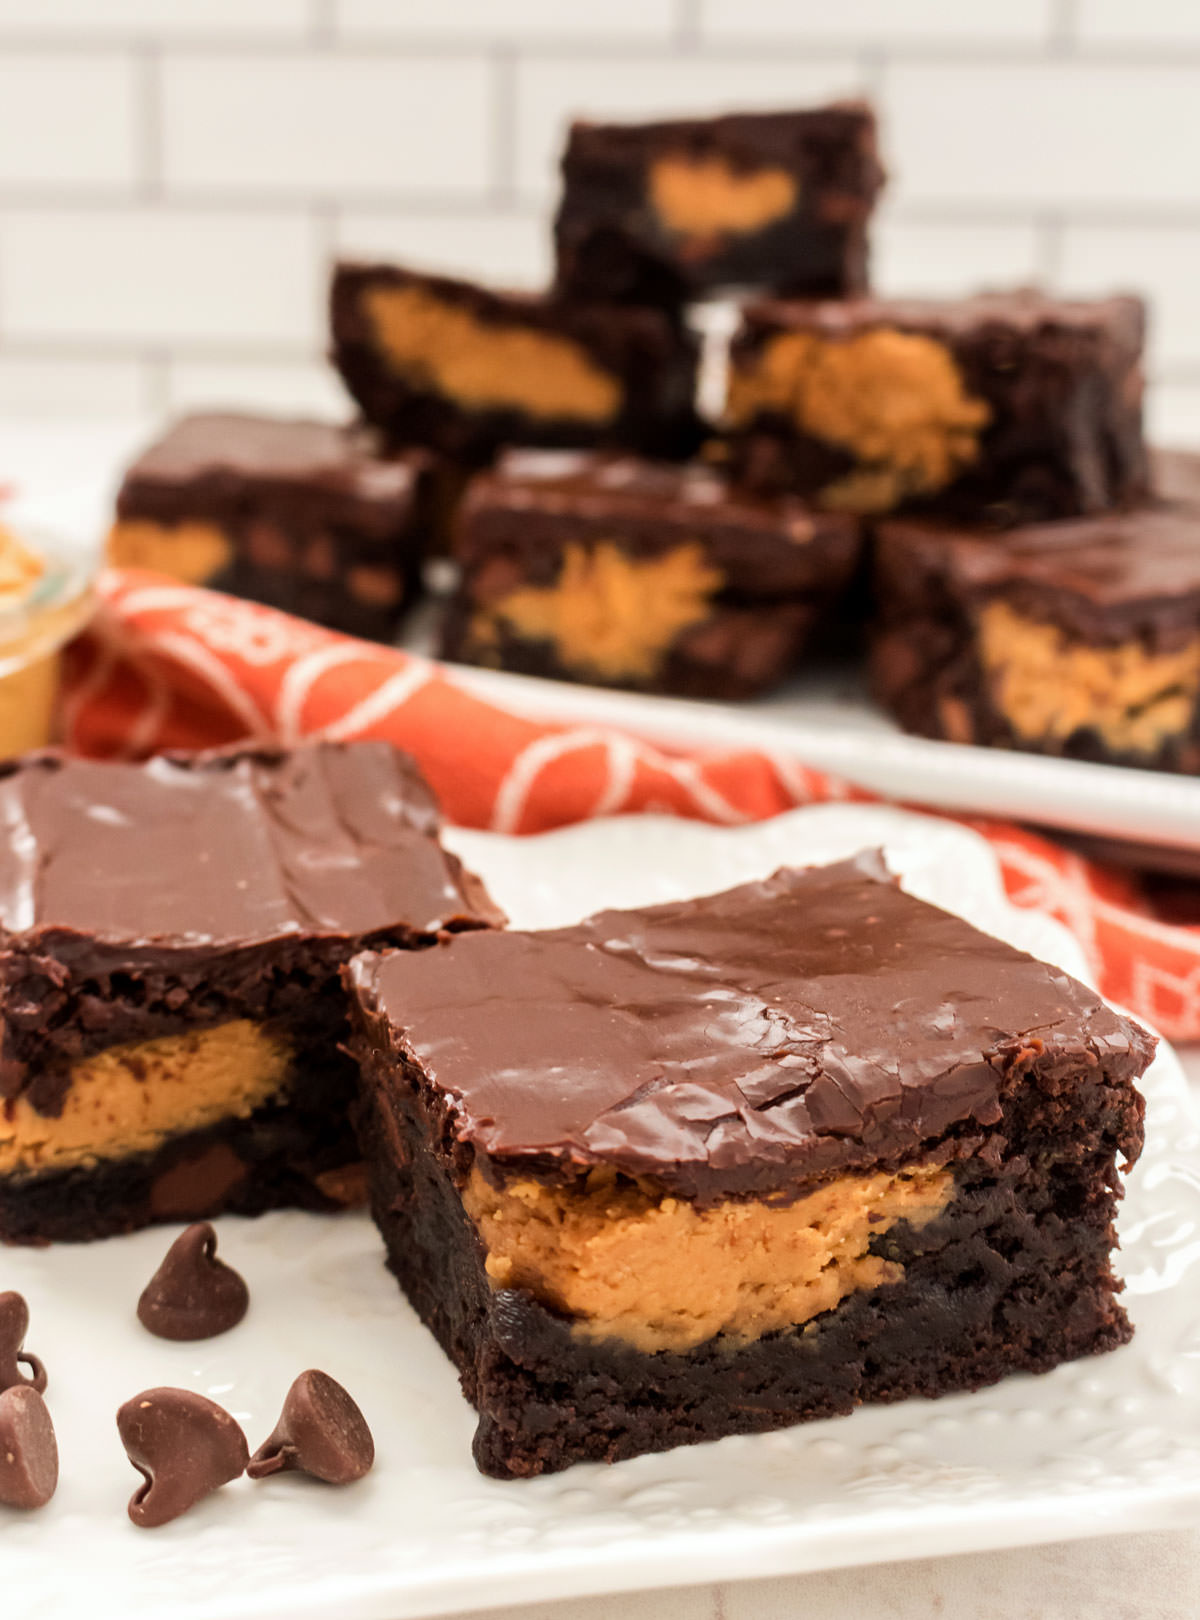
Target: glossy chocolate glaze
x,y
109,865
228,447
815,1022
534,501
1100,577
1023,311
833,147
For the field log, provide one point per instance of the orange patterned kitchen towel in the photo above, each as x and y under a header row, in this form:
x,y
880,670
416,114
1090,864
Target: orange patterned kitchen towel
x,y
174,666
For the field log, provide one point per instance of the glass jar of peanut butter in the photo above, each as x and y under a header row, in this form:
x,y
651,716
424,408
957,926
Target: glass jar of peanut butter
x,y
46,597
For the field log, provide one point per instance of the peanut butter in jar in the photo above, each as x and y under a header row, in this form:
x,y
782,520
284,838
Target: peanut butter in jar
x,y
46,597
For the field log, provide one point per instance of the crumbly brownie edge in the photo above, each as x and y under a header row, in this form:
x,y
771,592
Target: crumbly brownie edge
x,y
300,1153
656,367
1015,1276
925,670
1064,438
66,1017
739,651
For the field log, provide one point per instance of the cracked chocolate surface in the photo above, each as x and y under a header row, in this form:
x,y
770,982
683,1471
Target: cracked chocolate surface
x,y
112,866
816,1022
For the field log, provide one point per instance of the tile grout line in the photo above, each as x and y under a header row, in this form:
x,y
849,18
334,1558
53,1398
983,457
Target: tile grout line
x,y
1064,28
156,380
148,136
503,124
322,26
687,26
1049,227
325,222
687,32
873,65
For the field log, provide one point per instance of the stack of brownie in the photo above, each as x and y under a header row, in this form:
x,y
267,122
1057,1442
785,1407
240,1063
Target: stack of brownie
x,y
619,560
615,555
984,455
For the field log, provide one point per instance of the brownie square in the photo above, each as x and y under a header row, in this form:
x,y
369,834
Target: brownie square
x,y
625,572
728,1164
663,212
1079,639
464,370
304,516
1000,408
170,1008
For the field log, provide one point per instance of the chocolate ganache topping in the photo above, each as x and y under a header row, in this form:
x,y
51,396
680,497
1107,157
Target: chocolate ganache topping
x,y
225,448
108,865
818,1021
1118,559
534,499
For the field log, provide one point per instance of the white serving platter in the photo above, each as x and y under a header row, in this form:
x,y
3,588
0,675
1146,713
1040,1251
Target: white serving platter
x,y
1107,1444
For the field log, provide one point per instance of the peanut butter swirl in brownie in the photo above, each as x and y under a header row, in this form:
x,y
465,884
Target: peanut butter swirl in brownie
x,y
726,1164
170,939
1004,407
651,575
305,516
1079,639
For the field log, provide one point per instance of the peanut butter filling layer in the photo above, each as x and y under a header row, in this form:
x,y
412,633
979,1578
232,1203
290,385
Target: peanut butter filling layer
x,y
191,552
661,1274
486,366
608,614
27,703
1048,687
707,197
896,401
129,1099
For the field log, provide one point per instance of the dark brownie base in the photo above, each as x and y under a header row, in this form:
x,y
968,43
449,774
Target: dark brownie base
x,y
739,652
1020,480
926,673
1014,1277
300,1153
602,263
368,597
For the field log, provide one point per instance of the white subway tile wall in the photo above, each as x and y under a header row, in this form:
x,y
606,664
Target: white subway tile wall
x,y
175,175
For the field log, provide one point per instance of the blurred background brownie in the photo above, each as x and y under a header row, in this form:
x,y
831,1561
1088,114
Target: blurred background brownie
x,y
626,572
998,408
464,370
727,1164
305,516
170,939
1080,638
665,212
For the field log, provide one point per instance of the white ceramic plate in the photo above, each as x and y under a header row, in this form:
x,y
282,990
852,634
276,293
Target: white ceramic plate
x,y
1106,1444
67,473
825,718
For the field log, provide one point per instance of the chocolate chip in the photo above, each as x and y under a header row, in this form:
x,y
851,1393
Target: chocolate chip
x,y
320,1432
198,1185
193,1295
28,1449
184,1445
14,1324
